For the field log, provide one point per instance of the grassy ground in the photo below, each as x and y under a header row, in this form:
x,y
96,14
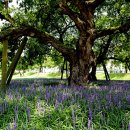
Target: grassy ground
x,y
37,75
42,103
33,105
115,76
100,76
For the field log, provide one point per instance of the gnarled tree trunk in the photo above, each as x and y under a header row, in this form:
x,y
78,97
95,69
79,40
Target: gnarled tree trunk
x,y
82,61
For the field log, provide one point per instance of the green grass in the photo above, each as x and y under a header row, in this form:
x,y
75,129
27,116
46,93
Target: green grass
x,y
114,76
38,75
100,76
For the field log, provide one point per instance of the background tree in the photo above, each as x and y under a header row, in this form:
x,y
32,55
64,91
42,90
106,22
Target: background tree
x,y
119,50
35,53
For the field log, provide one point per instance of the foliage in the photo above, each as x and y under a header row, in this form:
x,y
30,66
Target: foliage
x,y
35,51
72,24
122,46
56,58
111,14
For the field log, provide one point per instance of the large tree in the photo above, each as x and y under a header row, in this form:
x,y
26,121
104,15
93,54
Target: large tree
x,y
83,13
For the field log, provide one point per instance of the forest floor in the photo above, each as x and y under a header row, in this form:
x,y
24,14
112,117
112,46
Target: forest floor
x,y
48,104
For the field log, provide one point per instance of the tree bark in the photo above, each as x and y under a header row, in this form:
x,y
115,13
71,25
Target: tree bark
x,y
4,64
92,75
40,68
81,63
74,74
126,68
15,61
62,70
66,68
105,71
83,59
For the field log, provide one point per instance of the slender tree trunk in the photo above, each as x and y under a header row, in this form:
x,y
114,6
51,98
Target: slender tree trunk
x,y
106,72
15,61
66,68
62,70
126,68
4,64
92,75
40,68
20,73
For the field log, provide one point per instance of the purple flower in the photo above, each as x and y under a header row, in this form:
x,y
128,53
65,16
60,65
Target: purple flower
x,y
73,119
90,114
16,109
89,124
47,95
9,127
56,104
15,126
28,112
64,96
119,104
128,98
89,119
129,127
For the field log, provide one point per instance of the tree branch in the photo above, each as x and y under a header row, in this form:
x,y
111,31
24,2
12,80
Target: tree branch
x,y
43,36
7,17
121,29
80,4
114,58
10,19
73,15
86,11
96,3
103,51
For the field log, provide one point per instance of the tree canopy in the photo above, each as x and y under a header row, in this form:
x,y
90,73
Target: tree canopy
x,y
73,27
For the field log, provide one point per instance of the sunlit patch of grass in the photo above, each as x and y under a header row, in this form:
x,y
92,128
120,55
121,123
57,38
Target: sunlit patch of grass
x,y
114,76
121,76
38,75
